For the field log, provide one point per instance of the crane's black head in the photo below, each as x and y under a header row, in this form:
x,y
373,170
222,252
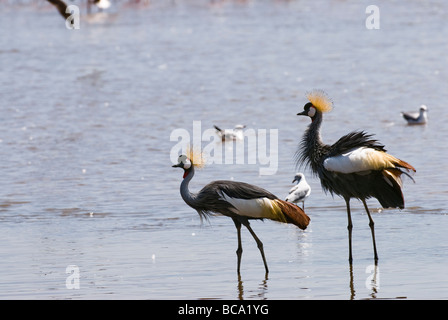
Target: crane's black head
x,y
184,163
319,103
308,110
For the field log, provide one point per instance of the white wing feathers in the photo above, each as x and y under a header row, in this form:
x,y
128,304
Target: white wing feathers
x,y
360,159
298,193
255,208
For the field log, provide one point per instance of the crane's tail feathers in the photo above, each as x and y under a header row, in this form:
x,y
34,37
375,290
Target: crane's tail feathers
x,y
390,195
293,214
395,173
404,165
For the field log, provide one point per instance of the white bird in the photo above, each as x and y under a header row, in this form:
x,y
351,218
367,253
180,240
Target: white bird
x,y
420,117
231,134
300,191
102,4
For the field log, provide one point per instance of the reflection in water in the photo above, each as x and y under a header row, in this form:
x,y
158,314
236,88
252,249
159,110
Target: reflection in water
x,y
263,288
372,281
85,161
240,288
352,286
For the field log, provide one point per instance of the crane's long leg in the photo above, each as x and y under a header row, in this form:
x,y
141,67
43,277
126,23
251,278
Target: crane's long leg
x,y
259,243
349,228
372,229
239,251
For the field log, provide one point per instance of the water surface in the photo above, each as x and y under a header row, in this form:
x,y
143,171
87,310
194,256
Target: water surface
x,y
86,118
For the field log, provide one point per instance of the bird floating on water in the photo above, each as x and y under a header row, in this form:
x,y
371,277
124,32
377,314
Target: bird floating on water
x,y
102,4
238,200
355,166
300,191
420,117
231,134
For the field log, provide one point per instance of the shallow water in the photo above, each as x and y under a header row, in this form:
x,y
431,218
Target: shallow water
x,y
85,146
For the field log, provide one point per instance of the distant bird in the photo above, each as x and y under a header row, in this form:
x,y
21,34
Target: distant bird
x,y
229,134
355,166
102,4
420,117
237,200
61,6
300,191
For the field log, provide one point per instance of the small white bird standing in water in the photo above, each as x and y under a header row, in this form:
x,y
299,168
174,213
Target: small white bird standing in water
x,y
300,191
420,117
229,134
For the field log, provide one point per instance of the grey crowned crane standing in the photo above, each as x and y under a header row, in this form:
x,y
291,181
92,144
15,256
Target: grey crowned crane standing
x,y
300,191
239,201
355,166
420,117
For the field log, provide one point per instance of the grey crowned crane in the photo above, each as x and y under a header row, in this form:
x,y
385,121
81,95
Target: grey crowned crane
x,y
420,117
239,201
300,191
355,166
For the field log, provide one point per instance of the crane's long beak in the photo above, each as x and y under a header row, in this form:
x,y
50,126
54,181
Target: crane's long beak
x,y
303,113
179,165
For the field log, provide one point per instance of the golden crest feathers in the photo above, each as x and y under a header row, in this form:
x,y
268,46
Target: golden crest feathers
x,y
320,100
196,156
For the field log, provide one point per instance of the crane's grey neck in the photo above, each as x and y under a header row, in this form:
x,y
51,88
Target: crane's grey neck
x,y
188,197
313,132
311,148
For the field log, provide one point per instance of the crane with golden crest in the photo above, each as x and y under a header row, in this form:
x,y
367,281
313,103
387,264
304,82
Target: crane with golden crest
x,y
355,166
238,200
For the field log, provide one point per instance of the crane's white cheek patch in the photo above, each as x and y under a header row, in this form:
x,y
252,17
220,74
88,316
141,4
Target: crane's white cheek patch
x,y
187,165
311,112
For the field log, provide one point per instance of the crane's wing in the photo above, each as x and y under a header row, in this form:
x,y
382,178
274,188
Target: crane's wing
x,y
240,190
354,140
247,200
265,208
364,159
